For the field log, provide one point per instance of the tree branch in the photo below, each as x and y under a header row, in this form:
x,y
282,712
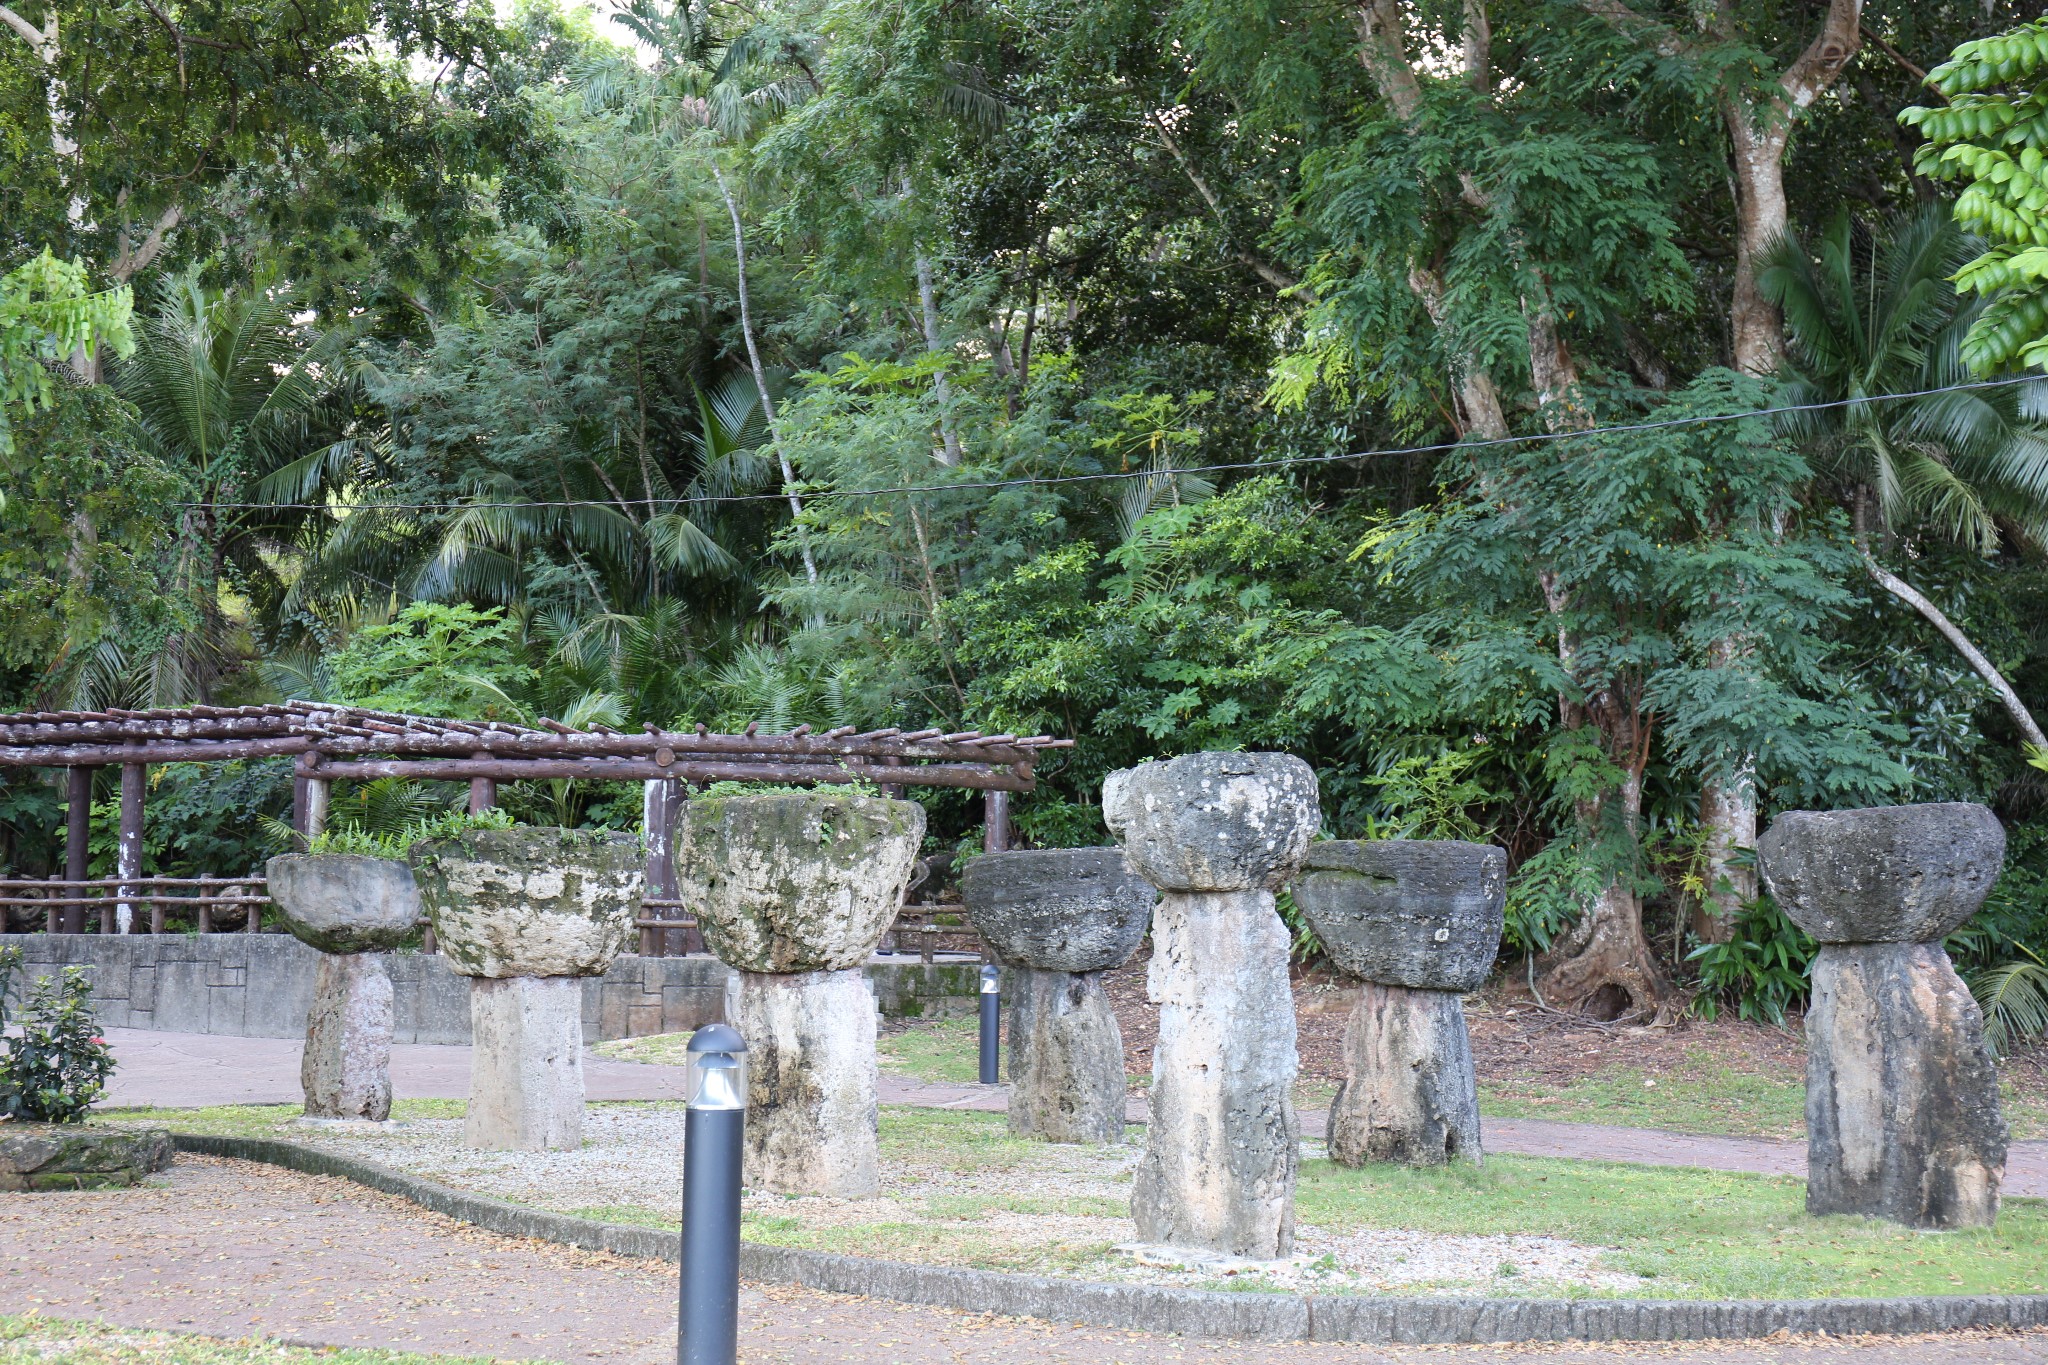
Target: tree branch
x,y
179,36
1826,55
128,264
1906,593
1264,269
30,34
1664,40
1383,51
1906,63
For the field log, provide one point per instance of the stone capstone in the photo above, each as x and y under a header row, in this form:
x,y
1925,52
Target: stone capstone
x,y
346,1067
344,902
526,1064
803,882
1887,874
531,901
79,1156
1067,1079
1214,821
1409,1093
1421,913
811,1116
1902,1112
1222,1145
1058,909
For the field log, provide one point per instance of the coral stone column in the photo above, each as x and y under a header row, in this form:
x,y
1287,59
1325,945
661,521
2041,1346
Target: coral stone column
x,y
525,914
794,892
1902,1113
1419,923
354,909
1217,833
1059,918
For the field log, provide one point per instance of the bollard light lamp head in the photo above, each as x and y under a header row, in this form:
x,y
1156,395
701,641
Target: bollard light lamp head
x,y
991,980
718,1068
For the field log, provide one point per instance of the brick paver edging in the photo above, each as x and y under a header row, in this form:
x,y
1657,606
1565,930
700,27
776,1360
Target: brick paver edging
x,y
1258,1316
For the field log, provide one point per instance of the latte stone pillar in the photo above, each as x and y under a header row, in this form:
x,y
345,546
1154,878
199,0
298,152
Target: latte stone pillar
x,y
1058,918
526,914
1418,922
1218,833
354,909
1902,1114
794,892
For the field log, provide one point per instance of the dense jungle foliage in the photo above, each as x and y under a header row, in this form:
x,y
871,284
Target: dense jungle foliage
x,y
1584,425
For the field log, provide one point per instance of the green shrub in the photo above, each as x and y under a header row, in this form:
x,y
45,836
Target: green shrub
x,y
1761,971
56,1064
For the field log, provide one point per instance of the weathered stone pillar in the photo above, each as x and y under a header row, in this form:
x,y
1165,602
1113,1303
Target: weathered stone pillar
x,y
524,913
354,910
795,892
1902,1113
1058,918
1419,922
1217,833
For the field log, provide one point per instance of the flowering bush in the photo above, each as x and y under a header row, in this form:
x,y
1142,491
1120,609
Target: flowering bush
x,y
56,1064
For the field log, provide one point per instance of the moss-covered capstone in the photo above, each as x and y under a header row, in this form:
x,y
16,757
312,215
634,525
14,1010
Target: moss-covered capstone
x,y
79,1156
531,901
344,902
796,882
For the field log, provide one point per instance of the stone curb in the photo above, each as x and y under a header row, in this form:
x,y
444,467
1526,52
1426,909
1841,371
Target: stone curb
x,y
1256,1316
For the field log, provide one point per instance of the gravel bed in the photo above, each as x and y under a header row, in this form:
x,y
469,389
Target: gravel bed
x,y
631,1162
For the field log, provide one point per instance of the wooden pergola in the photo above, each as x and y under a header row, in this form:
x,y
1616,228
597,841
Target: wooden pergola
x,y
328,743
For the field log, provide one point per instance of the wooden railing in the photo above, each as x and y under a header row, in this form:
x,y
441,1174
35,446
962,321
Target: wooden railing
x,y
158,895
667,930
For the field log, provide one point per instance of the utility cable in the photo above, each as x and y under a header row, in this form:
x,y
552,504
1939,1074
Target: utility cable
x,y
1054,480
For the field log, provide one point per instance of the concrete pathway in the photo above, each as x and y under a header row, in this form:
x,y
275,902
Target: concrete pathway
x,y
193,1070
233,1250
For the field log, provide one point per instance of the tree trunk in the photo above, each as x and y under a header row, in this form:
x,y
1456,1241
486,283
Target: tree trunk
x,y
796,505
1758,129
942,388
2029,728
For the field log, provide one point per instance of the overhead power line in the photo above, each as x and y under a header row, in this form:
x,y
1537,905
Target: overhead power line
x,y
1054,480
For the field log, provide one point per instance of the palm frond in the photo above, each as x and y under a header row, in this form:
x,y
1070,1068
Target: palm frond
x,y
2014,998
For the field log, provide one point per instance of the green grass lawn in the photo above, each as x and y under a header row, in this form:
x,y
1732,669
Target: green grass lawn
x,y
1688,1233
979,1197
37,1340
262,1120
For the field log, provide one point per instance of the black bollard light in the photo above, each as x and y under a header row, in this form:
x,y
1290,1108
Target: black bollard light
x,y
991,1025
708,1324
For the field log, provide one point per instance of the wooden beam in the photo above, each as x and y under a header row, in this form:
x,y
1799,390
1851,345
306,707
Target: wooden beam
x,y
640,770
155,751
683,745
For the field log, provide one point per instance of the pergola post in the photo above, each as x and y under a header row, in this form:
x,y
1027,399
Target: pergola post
x,y
318,790
128,852
657,830
995,807
77,839
483,791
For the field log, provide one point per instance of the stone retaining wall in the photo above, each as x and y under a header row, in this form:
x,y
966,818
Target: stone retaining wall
x,y
261,985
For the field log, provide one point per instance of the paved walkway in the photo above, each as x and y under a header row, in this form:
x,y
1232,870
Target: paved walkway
x,y
232,1249
190,1070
